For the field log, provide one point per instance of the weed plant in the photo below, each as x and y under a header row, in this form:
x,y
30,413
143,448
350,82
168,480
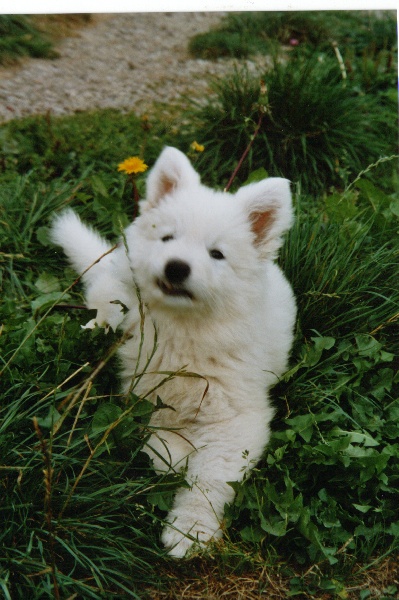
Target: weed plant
x,y
20,37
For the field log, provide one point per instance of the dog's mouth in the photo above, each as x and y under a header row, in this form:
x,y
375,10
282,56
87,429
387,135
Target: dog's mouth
x,y
169,289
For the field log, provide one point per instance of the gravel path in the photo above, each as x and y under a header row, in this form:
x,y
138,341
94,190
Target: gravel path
x,y
124,61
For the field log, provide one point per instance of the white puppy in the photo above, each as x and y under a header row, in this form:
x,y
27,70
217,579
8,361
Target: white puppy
x,y
203,262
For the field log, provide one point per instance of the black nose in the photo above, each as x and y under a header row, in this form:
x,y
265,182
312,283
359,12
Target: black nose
x,y
176,271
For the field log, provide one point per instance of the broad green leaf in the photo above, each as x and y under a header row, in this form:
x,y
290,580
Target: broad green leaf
x,y
303,425
252,534
273,525
257,175
394,207
99,186
363,508
105,415
367,345
46,300
355,437
50,419
47,283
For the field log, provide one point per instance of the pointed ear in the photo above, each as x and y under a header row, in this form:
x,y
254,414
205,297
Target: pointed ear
x,y
171,171
268,207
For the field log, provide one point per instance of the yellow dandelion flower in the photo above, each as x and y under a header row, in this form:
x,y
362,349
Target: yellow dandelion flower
x,y
197,147
132,166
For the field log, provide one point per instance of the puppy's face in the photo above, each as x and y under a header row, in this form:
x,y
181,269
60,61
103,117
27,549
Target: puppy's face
x,y
194,251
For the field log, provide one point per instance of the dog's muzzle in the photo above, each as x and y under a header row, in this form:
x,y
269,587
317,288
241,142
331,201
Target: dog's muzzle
x,y
176,272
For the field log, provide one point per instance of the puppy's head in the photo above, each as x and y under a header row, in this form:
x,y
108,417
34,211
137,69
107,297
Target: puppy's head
x,y
200,250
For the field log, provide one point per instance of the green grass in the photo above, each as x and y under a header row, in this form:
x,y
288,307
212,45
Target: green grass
x,y
81,508
325,491
52,147
19,37
243,34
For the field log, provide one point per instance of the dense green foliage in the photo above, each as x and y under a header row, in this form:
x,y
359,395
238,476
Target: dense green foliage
x,y
330,472
314,128
81,508
53,147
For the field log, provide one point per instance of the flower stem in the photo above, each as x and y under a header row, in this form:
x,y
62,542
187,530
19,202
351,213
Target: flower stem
x,y
136,197
247,149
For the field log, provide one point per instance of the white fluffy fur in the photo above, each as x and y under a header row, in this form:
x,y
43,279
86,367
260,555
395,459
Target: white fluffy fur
x,y
230,321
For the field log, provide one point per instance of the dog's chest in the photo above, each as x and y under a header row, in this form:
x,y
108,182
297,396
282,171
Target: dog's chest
x,y
199,378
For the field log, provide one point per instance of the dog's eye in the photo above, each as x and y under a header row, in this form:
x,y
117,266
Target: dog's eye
x,y
216,254
167,238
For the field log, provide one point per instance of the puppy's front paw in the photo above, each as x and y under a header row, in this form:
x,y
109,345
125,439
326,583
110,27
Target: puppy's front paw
x,y
184,533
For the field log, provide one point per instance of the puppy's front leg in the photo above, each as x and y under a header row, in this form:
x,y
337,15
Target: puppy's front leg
x,y
197,513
